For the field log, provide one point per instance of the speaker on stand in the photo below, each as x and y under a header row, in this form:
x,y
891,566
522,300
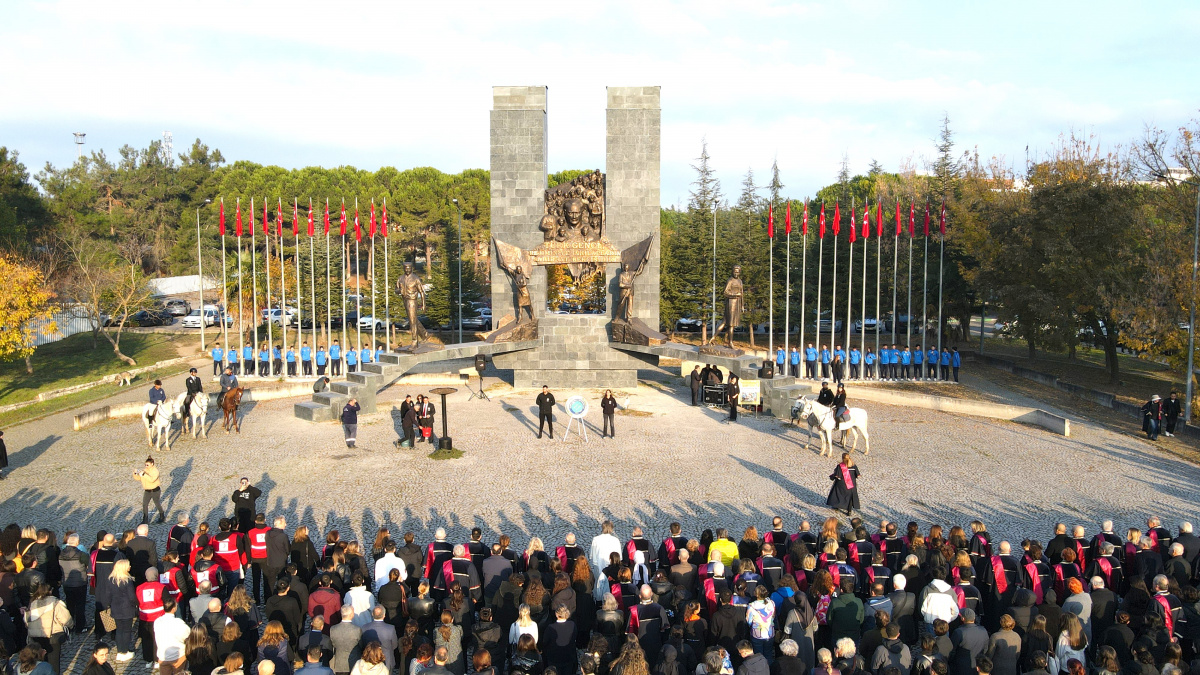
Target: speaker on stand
x,y
480,366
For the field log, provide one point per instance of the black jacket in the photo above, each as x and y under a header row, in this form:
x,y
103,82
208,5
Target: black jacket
x,y
350,413
608,405
545,403
825,398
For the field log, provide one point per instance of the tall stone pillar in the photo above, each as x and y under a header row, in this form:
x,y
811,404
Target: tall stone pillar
x,y
518,173
631,165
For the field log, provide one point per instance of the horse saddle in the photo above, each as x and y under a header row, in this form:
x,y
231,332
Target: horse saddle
x,y
843,416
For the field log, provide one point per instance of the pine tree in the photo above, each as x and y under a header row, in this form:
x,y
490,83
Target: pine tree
x,y
775,186
945,168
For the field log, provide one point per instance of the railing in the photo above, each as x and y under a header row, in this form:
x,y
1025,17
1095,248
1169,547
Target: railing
x,y
68,319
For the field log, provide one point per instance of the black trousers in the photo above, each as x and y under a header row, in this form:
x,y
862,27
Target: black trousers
x,y
250,367
335,366
824,371
1170,420
234,367
945,372
695,393
795,370
154,495
291,368
307,367
871,371
351,367
610,426
146,633
216,367
904,371
264,368
733,412
278,366
854,371
53,647
321,369
545,418
77,605
810,369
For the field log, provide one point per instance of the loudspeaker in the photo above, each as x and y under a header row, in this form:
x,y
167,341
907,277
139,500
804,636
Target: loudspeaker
x,y
480,363
767,372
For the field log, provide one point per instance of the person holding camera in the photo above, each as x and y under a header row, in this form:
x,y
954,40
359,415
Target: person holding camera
x,y
151,490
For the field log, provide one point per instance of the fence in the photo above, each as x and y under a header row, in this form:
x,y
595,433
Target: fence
x,y
68,319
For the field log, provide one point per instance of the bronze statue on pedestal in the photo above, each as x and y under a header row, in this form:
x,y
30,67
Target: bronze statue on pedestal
x,y
733,307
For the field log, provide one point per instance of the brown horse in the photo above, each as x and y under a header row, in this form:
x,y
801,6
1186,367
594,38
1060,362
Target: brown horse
x,y
229,406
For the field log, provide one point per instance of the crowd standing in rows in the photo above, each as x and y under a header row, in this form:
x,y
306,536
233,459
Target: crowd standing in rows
x,y
249,597
893,363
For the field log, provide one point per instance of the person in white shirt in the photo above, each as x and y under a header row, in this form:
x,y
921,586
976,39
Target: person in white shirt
x,y
939,602
386,564
360,599
603,545
169,633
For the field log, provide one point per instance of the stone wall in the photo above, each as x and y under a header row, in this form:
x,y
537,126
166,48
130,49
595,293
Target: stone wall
x,y
574,353
632,167
518,174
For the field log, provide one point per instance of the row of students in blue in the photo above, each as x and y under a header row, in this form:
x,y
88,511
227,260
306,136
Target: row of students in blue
x,y
893,363
271,361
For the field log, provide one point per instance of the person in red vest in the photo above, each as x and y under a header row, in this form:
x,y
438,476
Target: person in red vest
x,y
176,579
230,548
207,570
150,607
257,540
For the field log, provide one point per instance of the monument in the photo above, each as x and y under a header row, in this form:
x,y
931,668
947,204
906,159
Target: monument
x,y
602,220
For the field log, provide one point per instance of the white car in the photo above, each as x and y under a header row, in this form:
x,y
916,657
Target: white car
x,y
370,321
279,317
211,318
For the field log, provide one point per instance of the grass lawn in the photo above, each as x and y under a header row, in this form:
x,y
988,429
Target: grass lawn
x,y
1139,378
72,361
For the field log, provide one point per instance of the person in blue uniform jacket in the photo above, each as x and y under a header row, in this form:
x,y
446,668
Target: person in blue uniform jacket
x,y
291,362
322,359
825,358
351,360
306,359
810,362
869,361
335,358
795,362
218,356
918,363
955,362
855,359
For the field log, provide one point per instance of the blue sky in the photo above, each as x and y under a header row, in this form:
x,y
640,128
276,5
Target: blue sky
x,y
409,83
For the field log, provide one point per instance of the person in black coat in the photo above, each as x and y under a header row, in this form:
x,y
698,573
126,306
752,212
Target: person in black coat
x,y
733,391
694,381
608,407
408,423
4,454
545,404
558,642
350,421
120,598
1171,409
728,626
843,496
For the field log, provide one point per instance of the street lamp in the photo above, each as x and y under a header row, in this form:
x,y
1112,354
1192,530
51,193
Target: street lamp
x,y
200,273
460,307
1187,411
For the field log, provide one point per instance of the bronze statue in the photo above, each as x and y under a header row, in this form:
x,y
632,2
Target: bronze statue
x,y
573,215
411,288
633,262
578,206
517,263
733,307
549,227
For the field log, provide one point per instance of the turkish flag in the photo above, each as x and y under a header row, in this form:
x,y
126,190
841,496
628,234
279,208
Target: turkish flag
x,y
770,222
899,223
821,221
238,218
912,220
311,229
926,219
878,219
266,219
852,225
942,219
326,216
371,230
804,220
295,217
252,216
357,232
787,219
837,219
384,226
221,218
866,226
279,218
342,222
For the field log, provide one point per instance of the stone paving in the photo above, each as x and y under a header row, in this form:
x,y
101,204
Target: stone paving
x,y
670,461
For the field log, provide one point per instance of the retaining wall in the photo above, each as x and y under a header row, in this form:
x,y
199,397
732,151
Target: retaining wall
x,y
134,408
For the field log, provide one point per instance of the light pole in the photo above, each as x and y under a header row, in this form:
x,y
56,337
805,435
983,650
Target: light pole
x,y
200,272
713,331
460,307
1187,410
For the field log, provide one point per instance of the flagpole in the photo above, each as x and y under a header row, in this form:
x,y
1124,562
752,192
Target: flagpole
x,y
312,281
850,286
787,295
253,287
803,279
240,276
895,288
771,300
833,300
862,350
299,303
878,280
224,293
328,282
941,271
267,273
282,293
371,264
908,320
387,287
820,270
357,285
925,293
345,270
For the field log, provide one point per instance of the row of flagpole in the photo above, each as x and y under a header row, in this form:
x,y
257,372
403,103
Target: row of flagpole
x,y
852,238
239,231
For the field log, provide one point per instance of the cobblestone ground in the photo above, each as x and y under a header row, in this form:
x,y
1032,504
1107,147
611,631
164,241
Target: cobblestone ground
x,y
669,461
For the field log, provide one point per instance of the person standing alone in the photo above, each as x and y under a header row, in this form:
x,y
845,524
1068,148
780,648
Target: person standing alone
x,y
608,407
545,404
350,421
151,490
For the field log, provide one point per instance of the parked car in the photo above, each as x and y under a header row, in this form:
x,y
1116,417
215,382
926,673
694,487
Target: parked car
x,y
212,317
151,317
280,317
869,325
178,307
482,321
688,325
370,321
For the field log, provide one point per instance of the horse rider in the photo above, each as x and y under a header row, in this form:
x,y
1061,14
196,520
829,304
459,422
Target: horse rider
x,y
194,386
825,398
840,411
228,381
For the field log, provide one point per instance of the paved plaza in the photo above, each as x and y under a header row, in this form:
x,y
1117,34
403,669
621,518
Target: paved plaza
x,y
670,461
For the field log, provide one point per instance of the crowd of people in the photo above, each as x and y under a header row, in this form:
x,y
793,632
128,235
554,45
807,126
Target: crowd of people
x,y
893,363
250,596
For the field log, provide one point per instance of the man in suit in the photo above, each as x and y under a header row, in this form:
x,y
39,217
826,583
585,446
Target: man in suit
x,y
143,554
314,662
545,404
345,638
496,568
904,609
1104,606
970,642
684,573
316,638
382,632
694,383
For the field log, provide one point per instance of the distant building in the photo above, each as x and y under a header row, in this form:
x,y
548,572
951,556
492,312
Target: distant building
x,y
185,286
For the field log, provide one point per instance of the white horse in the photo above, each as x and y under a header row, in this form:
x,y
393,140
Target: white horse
x,y
823,418
196,415
157,420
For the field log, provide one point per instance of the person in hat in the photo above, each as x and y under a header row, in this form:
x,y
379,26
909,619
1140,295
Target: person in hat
x,y
826,395
229,382
1152,417
195,387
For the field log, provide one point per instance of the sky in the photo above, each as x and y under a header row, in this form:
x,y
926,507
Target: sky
x,y
408,84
